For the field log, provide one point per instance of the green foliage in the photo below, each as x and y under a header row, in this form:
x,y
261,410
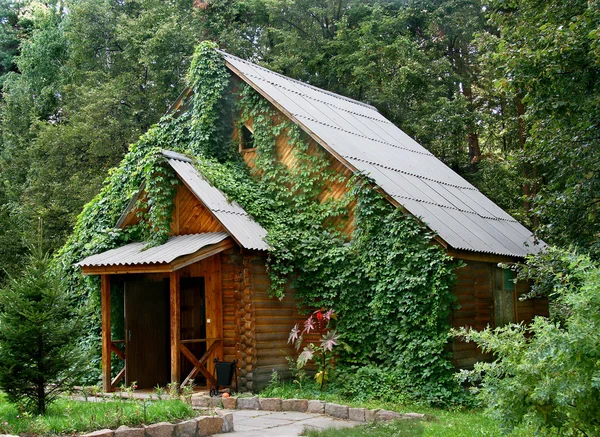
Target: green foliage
x,y
67,416
551,273
211,100
92,77
40,328
546,54
546,375
409,59
417,62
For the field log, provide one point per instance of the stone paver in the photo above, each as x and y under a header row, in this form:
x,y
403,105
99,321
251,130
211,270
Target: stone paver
x,y
248,423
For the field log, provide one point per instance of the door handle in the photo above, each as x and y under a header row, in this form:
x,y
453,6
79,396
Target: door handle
x,y
129,334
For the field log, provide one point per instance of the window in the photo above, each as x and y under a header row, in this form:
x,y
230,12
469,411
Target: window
x,y
247,139
504,296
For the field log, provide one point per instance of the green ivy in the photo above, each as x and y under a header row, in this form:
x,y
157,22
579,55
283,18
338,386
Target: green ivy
x,y
389,284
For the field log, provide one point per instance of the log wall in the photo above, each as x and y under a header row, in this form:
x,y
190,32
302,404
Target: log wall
x,y
286,155
256,327
239,315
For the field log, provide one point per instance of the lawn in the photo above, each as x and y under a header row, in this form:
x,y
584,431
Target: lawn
x,y
442,424
67,416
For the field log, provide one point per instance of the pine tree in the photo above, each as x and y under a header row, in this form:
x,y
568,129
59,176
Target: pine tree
x,y
40,325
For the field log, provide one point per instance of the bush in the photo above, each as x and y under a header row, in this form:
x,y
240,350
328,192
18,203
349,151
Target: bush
x,y
40,327
389,384
547,375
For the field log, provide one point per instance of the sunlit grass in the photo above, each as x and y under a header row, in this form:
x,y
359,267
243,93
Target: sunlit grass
x,y
69,416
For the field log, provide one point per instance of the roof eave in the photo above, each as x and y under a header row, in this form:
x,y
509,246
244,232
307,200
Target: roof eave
x,y
177,264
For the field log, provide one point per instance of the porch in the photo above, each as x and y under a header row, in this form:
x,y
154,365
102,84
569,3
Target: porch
x,y
172,317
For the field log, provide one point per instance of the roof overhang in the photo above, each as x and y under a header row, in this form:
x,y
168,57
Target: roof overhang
x,y
178,252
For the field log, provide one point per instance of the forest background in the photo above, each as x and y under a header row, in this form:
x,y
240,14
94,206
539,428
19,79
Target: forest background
x,y
505,92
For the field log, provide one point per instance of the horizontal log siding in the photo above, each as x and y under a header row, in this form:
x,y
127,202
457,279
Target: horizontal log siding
x,y
274,320
529,308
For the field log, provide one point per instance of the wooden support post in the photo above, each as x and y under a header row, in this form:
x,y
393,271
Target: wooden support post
x,y
174,299
214,306
106,340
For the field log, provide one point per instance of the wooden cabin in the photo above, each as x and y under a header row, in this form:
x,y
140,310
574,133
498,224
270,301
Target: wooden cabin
x,y
203,294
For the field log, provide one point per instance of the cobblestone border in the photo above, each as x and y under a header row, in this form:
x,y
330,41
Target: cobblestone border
x,y
303,406
197,427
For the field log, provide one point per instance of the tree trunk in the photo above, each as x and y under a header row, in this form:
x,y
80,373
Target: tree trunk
x,y
529,188
472,137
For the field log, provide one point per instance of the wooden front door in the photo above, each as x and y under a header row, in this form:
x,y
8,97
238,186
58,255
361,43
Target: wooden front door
x,y
193,321
147,333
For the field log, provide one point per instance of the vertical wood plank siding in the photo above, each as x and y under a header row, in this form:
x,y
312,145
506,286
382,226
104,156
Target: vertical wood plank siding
x,y
474,291
190,216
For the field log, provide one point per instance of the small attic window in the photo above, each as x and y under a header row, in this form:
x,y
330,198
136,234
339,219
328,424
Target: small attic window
x,y
247,139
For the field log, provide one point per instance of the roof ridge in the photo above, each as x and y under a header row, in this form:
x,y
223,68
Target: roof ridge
x,y
339,96
175,155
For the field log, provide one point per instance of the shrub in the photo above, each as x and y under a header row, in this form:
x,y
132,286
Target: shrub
x,y
321,354
547,375
391,384
39,331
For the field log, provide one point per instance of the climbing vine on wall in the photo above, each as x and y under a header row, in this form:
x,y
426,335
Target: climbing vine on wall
x,y
390,286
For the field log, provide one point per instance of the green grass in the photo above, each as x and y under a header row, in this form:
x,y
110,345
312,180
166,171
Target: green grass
x,y
68,416
457,426
440,422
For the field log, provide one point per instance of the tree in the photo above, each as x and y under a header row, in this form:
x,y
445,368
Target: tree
x,y
546,60
91,78
40,329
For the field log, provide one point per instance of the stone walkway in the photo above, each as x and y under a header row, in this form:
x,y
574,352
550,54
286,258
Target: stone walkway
x,y
257,423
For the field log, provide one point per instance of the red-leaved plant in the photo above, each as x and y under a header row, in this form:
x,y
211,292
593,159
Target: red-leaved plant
x,y
322,354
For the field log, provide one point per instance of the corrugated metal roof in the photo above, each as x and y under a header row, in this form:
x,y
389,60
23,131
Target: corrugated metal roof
x,y
244,230
134,253
367,142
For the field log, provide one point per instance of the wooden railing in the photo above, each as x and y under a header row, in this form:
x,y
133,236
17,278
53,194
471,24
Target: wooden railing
x,y
118,352
212,344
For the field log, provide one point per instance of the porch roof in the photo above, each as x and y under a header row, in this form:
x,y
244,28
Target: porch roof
x,y
179,251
